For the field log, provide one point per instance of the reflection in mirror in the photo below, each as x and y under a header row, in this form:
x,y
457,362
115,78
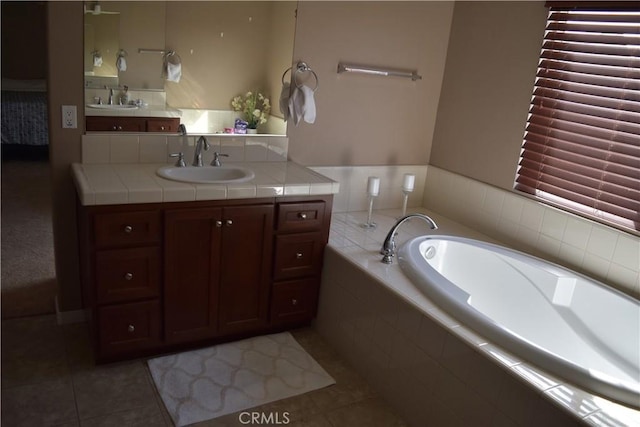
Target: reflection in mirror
x,y
226,48
101,34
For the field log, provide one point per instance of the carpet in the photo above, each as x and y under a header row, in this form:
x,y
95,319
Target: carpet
x,y
211,382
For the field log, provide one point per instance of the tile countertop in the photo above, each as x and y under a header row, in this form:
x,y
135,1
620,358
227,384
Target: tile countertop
x,y
109,184
149,111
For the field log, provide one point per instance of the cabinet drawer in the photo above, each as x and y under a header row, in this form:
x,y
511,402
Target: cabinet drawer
x,y
115,124
127,228
128,327
127,274
300,216
298,255
294,301
163,125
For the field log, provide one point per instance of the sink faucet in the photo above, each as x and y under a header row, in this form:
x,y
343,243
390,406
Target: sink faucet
x,y
197,158
110,95
389,245
216,158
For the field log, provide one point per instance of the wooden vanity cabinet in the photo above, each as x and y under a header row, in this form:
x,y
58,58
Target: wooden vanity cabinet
x,y
301,235
162,277
131,124
217,269
121,266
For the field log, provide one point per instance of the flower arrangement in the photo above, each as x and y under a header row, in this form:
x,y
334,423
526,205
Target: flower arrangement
x,y
255,107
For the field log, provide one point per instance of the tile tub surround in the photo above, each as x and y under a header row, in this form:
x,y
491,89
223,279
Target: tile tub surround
x,y
605,253
432,369
108,184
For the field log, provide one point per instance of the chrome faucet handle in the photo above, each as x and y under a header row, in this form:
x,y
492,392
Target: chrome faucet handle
x,y
216,158
180,162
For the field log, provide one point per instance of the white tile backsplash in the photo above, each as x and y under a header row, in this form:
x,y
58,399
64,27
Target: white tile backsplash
x,y
100,148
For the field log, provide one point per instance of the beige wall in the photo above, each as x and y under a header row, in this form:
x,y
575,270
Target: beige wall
x,y
65,76
491,65
371,120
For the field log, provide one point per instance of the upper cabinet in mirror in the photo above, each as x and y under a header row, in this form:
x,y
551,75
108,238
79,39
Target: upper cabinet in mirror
x,y
226,48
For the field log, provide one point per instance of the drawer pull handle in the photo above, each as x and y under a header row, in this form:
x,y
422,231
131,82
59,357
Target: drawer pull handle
x,y
131,328
294,301
128,276
229,223
218,224
302,215
299,255
128,229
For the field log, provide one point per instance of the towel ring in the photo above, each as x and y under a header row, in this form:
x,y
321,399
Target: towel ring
x,y
301,67
175,58
122,53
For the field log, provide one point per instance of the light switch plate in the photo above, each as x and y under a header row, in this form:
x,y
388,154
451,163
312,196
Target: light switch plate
x,y
69,117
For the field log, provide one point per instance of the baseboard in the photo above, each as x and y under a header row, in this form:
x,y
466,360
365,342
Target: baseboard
x,y
71,316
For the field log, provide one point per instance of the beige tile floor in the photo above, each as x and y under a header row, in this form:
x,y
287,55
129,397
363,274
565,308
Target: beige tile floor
x,y
49,379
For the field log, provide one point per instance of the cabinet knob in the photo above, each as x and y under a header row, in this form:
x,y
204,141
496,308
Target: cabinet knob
x,y
128,229
229,223
218,223
128,276
114,127
299,255
131,328
161,127
119,127
294,301
302,215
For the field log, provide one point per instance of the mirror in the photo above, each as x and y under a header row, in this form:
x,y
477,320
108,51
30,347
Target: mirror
x,y
226,48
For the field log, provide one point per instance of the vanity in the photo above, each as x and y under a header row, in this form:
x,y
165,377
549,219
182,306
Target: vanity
x,y
187,270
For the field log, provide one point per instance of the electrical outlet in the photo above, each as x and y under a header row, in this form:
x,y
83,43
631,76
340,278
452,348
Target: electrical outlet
x,y
69,117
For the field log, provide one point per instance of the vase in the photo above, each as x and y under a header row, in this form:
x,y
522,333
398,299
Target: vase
x,y
252,131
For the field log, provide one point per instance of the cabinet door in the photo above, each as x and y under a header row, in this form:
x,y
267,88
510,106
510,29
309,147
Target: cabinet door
x,y
192,266
245,267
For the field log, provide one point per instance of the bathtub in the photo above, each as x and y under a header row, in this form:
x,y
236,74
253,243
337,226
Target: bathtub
x,y
568,324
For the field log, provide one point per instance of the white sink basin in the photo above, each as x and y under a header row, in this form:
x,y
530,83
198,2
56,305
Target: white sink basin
x,y
113,107
226,174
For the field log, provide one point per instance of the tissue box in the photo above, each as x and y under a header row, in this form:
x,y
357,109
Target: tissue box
x,y
240,126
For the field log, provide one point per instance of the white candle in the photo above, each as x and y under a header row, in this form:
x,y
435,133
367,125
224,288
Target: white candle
x,y
408,182
373,186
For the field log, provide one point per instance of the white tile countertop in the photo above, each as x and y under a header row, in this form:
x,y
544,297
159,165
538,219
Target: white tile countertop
x,y
148,111
108,184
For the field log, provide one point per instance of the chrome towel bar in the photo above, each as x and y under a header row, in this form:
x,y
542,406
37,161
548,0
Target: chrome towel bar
x,y
350,68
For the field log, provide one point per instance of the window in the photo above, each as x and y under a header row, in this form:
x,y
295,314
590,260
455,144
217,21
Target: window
x,y
581,149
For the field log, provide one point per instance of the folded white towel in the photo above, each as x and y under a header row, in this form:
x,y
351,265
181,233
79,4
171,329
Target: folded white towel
x,y
174,72
121,63
302,105
284,100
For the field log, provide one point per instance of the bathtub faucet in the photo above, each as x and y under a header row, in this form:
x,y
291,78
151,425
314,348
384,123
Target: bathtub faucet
x,y
389,245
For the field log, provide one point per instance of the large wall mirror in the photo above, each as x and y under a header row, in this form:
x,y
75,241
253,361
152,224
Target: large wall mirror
x,y
226,47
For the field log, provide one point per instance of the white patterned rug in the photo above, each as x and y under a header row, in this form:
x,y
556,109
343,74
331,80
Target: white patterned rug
x,y
211,382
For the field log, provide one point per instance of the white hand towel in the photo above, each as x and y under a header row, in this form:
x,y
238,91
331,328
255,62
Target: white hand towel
x,y
284,100
97,60
296,105
121,63
174,72
309,103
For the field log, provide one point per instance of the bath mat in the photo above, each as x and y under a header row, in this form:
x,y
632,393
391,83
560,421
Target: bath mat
x,y
211,382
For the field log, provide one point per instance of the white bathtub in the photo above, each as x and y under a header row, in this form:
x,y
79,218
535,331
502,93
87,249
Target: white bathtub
x,y
568,324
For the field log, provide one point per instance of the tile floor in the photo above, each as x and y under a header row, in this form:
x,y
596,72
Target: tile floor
x,y
49,379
